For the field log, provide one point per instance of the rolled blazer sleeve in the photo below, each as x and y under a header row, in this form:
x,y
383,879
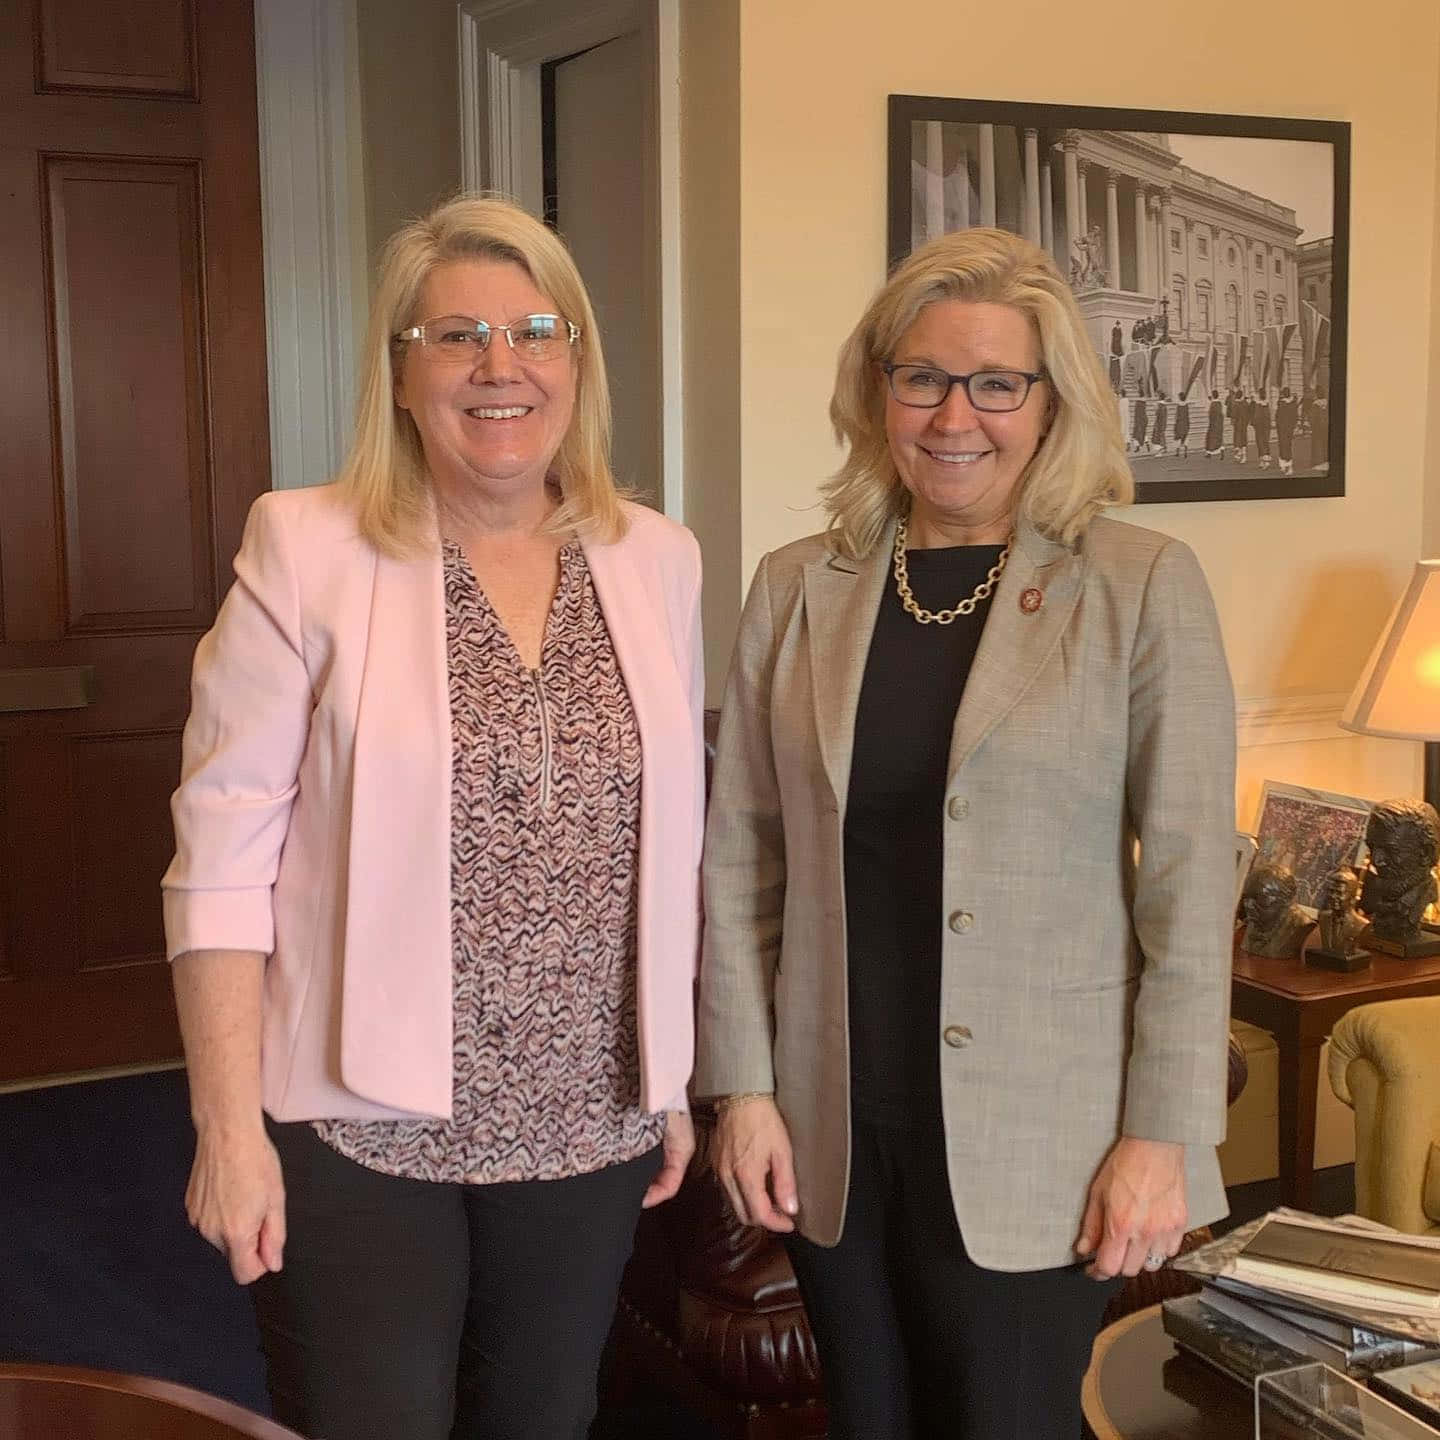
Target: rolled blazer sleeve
x,y
251,701
744,871
1181,798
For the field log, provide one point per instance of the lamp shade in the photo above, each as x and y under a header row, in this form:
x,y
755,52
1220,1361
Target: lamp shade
x,y
1398,693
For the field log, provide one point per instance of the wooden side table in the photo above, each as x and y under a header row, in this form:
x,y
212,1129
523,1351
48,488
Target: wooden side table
x,y
1139,1388
43,1402
1299,1005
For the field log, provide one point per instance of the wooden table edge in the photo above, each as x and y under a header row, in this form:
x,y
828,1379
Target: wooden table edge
x,y
172,1392
1096,1416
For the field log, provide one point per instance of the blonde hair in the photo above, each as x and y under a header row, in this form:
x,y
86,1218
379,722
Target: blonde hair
x,y
1080,465
385,476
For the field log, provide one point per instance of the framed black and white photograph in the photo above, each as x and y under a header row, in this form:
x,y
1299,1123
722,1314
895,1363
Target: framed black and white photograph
x,y
1208,254
1310,832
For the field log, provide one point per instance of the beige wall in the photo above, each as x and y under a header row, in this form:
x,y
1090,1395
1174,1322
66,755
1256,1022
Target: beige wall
x,y
406,154
783,153
410,110
1431,545
1303,585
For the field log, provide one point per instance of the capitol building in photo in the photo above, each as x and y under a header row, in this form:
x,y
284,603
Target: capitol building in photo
x,y
1187,283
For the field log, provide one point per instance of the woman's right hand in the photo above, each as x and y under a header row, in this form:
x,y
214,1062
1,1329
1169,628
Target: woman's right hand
x,y
755,1164
236,1200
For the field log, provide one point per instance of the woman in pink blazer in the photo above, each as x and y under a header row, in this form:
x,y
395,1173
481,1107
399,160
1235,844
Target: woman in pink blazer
x,y
434,903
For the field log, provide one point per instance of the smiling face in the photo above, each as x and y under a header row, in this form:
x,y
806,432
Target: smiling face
x,y
495,421
963,466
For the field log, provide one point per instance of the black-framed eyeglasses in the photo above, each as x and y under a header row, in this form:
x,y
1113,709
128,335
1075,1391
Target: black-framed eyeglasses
x,y
926,388
461,338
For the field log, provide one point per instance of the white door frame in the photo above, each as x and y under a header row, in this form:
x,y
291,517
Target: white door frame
x,y
503,44
302,64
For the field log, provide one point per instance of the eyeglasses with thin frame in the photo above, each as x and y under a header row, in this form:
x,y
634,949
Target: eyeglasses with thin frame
x,y
926,387
461,339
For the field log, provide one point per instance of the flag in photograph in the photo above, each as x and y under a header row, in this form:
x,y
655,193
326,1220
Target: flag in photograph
x,y
1277,342
1240,352
1260,361
1193,364
1314,340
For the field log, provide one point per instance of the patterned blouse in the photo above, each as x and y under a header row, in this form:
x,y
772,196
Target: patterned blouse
x,y
545,822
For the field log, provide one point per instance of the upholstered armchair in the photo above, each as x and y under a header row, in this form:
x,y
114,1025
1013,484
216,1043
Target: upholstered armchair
x,y
1385,1064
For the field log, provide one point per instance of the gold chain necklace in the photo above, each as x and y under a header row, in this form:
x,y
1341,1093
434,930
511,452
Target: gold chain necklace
x,y
941,617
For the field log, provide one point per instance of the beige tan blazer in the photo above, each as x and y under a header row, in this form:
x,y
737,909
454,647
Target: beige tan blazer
x,y
1085,987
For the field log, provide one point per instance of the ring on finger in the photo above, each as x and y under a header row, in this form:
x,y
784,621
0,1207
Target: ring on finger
x,y
1155,1259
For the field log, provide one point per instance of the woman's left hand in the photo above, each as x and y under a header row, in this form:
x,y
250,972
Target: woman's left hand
x,y
1136,1208
679,1147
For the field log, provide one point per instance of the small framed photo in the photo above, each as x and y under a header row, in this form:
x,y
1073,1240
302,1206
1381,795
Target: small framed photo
x,y
1415,1388
1245,847
1310,832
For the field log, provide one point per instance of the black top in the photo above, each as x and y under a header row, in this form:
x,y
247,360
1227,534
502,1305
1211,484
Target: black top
x,y
894,834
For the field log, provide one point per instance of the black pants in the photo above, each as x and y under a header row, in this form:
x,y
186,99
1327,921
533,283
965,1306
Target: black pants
x,y
917,1342
408,1310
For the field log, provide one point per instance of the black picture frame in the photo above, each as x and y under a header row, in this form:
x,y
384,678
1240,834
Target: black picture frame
x,y
1234,335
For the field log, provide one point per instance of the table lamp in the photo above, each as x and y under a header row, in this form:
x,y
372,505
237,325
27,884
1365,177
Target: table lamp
x,y
1398,693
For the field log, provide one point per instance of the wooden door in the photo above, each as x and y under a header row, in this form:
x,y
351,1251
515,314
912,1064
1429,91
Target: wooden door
x,y
133,436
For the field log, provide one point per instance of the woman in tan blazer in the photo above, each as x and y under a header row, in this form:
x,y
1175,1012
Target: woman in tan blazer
x,y
968,869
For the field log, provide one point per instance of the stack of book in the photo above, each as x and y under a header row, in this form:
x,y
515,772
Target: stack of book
x,y
1291,1288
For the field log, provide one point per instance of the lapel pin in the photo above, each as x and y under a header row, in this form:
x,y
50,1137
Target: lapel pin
x,y
1031,600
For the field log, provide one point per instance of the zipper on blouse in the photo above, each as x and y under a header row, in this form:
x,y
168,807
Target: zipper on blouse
x,y
544,738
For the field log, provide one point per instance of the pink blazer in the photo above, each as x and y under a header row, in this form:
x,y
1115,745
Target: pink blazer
x,y
312,822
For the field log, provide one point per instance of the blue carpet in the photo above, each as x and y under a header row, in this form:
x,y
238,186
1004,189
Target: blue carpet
x,y
100,1268
98,1265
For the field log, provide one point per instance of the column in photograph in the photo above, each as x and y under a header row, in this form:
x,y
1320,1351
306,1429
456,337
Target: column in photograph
x,y
1216,301
1159,202
1167,219
1295,303
934,179
1165,279
1071,145
1112,228
1247,298
1047,204
1237,279
1279,307
987,174
962,185
1212,245
1187,260
1158,264
1082,172
1032,185
1142,248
